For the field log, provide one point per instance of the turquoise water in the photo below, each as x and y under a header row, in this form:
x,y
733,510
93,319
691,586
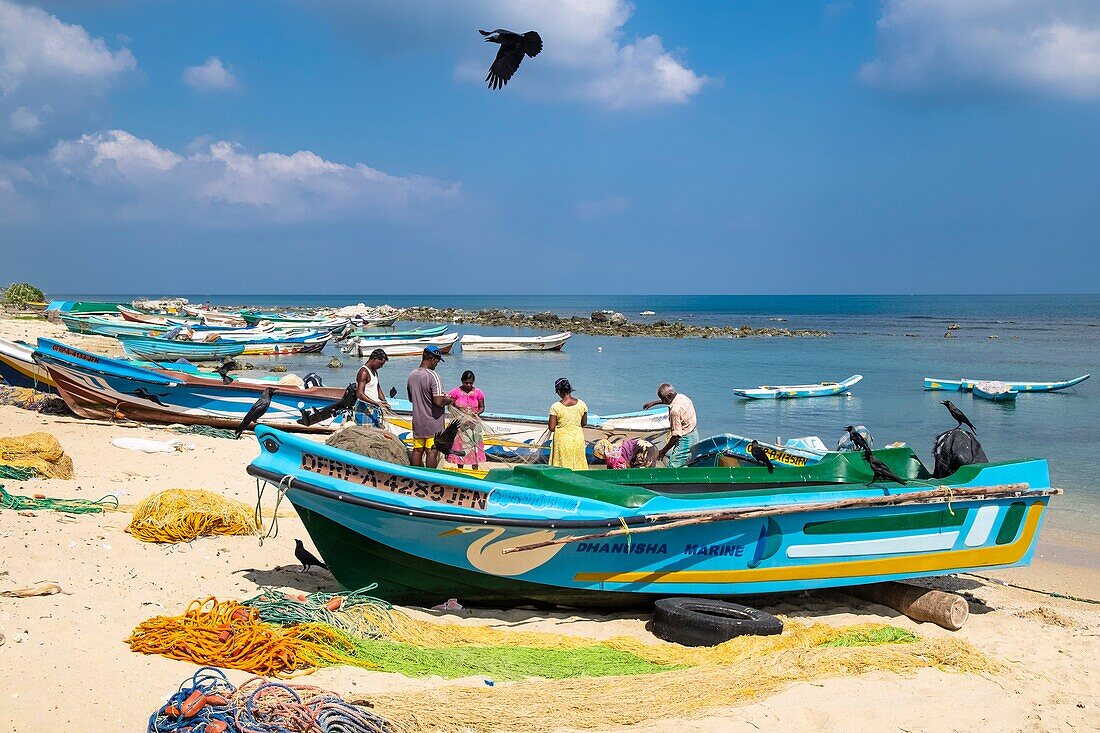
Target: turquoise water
x,y
1037,338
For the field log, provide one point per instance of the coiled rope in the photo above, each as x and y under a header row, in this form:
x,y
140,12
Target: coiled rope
x,y
70,506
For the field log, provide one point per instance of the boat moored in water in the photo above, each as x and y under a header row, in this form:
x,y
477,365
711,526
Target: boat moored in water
x,y
994,391
553,342
821,389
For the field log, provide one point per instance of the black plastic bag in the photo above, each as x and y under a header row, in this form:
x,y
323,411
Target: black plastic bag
x,y
955,448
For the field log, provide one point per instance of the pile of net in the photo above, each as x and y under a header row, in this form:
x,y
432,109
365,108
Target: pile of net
x,y
581,682
69,506
38,452
370,442
182,515
208,703
30,399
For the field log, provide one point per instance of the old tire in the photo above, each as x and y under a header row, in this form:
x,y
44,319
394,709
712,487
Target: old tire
x,y
706,622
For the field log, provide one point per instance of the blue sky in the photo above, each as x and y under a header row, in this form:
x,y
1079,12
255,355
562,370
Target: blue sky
x,y
907,146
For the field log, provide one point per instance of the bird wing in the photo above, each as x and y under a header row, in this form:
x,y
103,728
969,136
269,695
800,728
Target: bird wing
x,y
504,65
532,43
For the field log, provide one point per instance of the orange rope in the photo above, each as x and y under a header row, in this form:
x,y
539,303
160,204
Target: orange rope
x,y
230,635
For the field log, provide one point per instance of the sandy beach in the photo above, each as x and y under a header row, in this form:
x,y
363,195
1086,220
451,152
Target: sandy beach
x,y
64,663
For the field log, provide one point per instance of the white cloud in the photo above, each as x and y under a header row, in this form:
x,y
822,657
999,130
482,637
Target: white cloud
x,y
211,76
116,173
50,70
606,206
946,47
586,54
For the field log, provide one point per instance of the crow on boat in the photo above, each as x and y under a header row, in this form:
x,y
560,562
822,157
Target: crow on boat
x,y
307,558
958,415
857,440
761,456
259,407
513,47
881,471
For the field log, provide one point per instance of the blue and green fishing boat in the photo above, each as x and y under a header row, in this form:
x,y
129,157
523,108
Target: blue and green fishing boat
x,y
160,349
621,538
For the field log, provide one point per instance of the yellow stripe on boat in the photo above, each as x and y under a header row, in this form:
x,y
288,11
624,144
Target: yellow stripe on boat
x,y
981,557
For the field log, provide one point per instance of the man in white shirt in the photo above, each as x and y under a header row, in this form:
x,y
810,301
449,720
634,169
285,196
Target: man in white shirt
x,y
368,390
682,423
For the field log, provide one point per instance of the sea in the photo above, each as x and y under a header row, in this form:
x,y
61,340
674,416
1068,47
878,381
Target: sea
x,y
893,341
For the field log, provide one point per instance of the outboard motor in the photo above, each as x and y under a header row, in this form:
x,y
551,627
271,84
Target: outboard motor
x,y
313,379
954,449
845,442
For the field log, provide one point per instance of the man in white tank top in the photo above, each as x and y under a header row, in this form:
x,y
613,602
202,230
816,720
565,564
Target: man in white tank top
x,y
368,390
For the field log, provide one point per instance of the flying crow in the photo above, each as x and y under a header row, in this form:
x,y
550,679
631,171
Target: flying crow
x,y
307,558
513,46
956,413
881,471
857,440
224,370
757,452
259,407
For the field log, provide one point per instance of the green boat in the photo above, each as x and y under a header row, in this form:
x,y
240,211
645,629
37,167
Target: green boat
x,y
622,538
83,307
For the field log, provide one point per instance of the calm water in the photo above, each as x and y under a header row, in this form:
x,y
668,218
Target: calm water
x,y
894,342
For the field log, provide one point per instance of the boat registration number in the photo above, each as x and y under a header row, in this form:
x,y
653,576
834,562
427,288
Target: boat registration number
x,y
429,490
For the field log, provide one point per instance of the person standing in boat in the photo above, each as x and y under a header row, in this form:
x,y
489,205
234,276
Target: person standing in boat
x,y
369,400
428,400
469,449
568,417
682,423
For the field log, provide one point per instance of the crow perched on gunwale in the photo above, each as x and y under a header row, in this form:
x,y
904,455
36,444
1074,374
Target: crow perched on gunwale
x,y
958,415
259,407
307,558
881,471
513,47
857,440
757,452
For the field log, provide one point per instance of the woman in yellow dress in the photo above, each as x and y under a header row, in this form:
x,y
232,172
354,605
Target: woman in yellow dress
x,y
568,416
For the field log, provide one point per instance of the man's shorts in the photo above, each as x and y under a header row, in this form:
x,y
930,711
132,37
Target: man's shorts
x,y
365,411
424,443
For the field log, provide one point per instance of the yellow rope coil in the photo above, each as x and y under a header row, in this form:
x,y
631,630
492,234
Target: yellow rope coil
x,y
181,515
40,451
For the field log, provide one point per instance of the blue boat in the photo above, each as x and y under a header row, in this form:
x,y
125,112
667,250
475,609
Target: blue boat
x,y
1030,386
159,349
733,450
18,368
623,538
793,391
944,385
994,391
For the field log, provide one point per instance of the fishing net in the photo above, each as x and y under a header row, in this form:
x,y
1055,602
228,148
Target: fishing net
x,y
39,451
69,506
207,430
30,399
370,442
181,515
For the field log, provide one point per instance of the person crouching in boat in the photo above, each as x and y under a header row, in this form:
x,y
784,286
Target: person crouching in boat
x,y
568,416
469,449
682,424
368,391
629,453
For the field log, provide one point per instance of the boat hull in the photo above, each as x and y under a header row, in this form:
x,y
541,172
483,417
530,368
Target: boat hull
x,y
19,369
430,535
943,385
1006,396
1031,386
476,344
796,391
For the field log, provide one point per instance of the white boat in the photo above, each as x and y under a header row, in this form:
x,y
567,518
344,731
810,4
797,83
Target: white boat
x,y
405,347
789,391
554,342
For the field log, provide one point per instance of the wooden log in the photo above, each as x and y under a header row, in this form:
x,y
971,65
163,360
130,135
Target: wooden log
x,y
948,610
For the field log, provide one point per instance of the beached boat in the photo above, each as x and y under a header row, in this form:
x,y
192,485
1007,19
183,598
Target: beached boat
x,y
160,349
405,347
101,387
995,391
553,342
82,307
214,317
821,389
19,369
733,450
109,326
376,321
619,538
319,323
415,333
139,316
